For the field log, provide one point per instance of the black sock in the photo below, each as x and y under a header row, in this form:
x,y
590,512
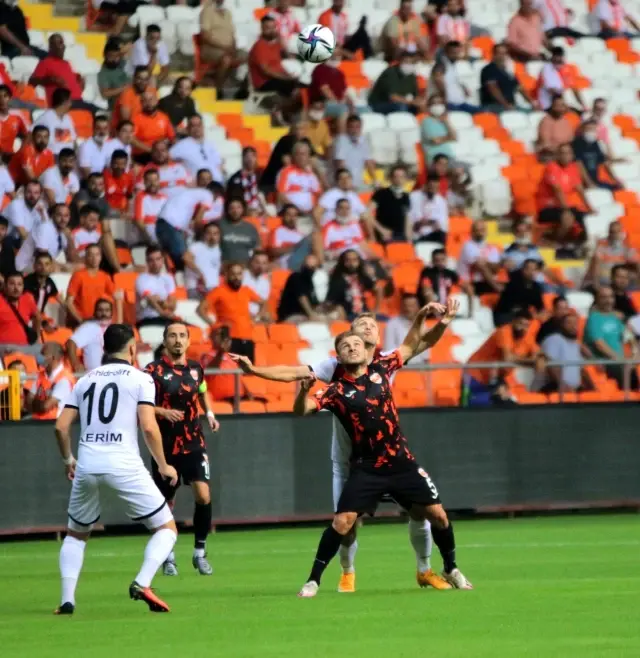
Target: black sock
x,y
350,537
327,549
446,543
201,524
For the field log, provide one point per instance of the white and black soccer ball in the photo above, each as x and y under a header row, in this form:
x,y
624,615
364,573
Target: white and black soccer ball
x,y
316,43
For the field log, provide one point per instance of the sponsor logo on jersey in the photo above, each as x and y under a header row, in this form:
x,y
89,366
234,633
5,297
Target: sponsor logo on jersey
x,y
375,378
169,376
350,394
194,373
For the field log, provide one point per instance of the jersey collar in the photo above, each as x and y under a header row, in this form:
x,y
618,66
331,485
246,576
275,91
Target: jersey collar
x,y
110,360
351,378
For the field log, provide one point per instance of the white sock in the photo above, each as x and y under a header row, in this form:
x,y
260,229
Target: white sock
x,y
348,557
198,552
171,557
420,536
71,559
156,552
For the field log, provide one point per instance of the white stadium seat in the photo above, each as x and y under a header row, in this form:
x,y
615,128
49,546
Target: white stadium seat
x,y
581,301
151,335
314,332
372,122
186,309
61,279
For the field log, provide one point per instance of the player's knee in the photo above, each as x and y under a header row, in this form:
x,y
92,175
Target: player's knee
x,y
351,536
80,536
169,525
344,522
202,498
438,517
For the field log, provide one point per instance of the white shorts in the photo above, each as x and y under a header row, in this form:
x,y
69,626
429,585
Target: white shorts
x,y
145,503
340,455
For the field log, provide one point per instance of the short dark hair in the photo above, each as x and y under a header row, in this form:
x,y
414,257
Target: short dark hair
x,y
558,300
116,338
100,118
288,206
343,336
60,96
259,252
152,249
397,167
102,300
557,51
113,45
235,199
266,18
204,170
153,28
15,274
248,149
4,221
616,268
66,153
87,209
438,252
215,188
119,154
93,245
140,69
210,224
342,200
354,117
439,157
94,175
342,170
171,324
124,123
7,89
41,253
15,363
453,44
521,314
152,170
39,129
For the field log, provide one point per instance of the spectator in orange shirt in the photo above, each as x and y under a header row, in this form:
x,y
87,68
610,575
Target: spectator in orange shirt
x,y
14,299
129,103
118,182
150,126
513,343
12,124
229,302
561,200
222,388
33,158
89,285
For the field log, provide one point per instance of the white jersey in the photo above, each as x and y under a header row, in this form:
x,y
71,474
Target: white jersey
x,y
107,400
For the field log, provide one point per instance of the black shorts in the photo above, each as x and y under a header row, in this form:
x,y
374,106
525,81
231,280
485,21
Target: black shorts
x,y
280,87
193,467
552,216
364,490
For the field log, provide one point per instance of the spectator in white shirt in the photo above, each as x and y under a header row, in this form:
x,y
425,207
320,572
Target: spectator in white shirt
x,y
285,238
429,214
556,18
60,182
147,205
151,52
7,185
257,278
398,327
122,142
342,190
352,151
89,337
88,232
26,212
94,153
60,124
479,263
196,152
612,17
446,80
451,25
206,255
155,292
555,79
54,237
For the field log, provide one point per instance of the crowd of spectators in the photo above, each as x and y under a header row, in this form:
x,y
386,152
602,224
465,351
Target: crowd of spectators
x,y
151,181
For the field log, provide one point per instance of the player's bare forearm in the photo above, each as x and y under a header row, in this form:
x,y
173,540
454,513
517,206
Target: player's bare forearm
x,y
413,341
64,443
303,405
433,335
281,373
63,432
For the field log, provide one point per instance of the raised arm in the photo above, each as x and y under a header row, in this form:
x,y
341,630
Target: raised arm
x,y
303,404
273,373
419,339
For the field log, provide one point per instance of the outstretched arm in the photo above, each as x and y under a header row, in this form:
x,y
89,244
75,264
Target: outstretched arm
x,y
304,405
411,343
273,373
419,338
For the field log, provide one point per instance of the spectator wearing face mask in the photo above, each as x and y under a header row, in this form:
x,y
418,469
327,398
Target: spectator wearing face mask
x,y
429,214
436,131
390,207
317,129
93,154
396,89
592,159
342,234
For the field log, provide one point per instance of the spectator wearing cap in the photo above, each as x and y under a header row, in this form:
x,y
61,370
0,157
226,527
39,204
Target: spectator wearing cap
x,y
352,151
329,84
437,280
498,86
149,127
396,89
555,129
54,237
555,78
33,158
403,31
197,152
151,52
20,321
14,35
179,105
129,103
61,182
612,16
54,71
612,250
39,283
390,208
564,346
525,36
447,82
522,291
112,77
59,122
436,130
479,263
592,159
218,42
244,183
13,124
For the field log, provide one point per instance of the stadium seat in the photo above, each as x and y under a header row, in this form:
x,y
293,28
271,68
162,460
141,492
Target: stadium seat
x,y
581,301
186,310
61,279
151,335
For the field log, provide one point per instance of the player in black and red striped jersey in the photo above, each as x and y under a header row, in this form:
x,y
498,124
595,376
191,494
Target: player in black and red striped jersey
x,y
180,386
381,462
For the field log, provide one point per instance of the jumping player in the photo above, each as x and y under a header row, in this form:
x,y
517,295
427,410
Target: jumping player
x,y
179,385
327,371
110,401
381,463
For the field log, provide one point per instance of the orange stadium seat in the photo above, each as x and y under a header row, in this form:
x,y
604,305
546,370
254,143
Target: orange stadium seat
x,y
252,407
284,333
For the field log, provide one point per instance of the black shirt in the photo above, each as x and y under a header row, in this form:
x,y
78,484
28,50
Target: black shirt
x,y
41,294
284,146
507,83
440,281
391,210
177,388
548,328
519,293
365,408
13,19
590,155
176,108
624,305
348,291
299,284
7,257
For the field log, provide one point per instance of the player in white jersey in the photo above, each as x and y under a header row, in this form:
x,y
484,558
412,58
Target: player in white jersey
x,y
110,401
326,371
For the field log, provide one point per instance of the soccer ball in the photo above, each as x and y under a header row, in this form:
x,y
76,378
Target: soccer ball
x,y
316,43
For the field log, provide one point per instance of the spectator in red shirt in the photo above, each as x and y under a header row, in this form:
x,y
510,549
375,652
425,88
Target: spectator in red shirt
x,y
55,71
18,309
33,158
118,182
328,83
12,124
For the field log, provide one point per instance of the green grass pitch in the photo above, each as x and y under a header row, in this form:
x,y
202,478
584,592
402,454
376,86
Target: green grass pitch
x,y
563,586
